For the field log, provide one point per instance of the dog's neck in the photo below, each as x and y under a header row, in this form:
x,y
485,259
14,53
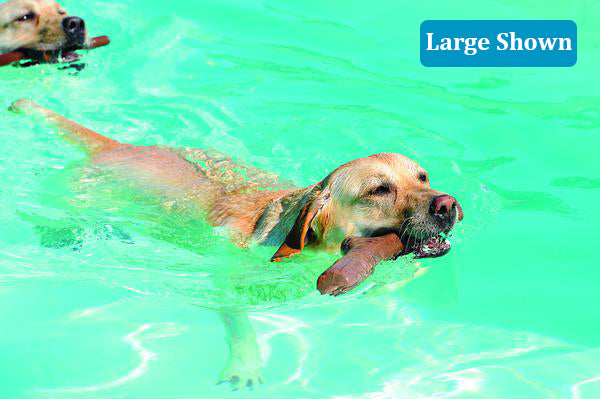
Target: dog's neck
x,y
253,203
266,217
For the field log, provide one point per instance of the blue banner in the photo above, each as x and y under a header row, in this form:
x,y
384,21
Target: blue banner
x,y
495,43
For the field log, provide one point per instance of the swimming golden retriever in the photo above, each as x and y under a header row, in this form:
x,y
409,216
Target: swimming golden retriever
x,y
39,26
369,196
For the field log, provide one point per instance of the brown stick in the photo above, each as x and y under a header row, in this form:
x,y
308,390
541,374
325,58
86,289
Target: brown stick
x,y
14,56
361,256
98,41
9,58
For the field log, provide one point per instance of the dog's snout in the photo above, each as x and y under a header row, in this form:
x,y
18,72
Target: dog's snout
x,y
443,206
74,27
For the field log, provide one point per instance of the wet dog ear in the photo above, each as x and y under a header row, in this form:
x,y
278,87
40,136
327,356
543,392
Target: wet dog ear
x,y
299,236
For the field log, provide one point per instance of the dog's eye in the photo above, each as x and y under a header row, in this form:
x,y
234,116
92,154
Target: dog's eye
x,y
423,177
26,17
380,190
62,12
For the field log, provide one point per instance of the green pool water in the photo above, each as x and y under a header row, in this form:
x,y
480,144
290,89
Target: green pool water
x,y
126,308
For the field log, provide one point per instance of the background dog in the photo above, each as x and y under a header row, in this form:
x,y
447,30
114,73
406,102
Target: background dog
x,y
36,26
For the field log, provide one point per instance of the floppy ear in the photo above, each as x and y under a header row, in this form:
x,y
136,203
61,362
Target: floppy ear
x,y
297,237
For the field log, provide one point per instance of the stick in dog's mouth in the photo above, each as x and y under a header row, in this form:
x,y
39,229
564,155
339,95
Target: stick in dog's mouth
x,y
52,56
362,254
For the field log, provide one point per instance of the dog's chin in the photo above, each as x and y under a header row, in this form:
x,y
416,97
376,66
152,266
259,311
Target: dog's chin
x,y
422,244
429,243
68,56
53,56
432,247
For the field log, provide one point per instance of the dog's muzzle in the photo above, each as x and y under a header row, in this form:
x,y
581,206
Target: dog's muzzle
x,y
444,211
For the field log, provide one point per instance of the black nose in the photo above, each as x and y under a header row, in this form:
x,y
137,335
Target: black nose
x,y
74,27
444,207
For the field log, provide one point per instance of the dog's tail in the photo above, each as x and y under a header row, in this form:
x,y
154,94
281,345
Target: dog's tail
x,y
89,140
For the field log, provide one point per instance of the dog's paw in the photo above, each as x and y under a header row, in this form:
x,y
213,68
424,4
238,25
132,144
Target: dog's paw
x,y
21,105
242,378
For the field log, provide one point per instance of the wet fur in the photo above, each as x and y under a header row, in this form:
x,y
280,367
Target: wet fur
x,y
252,204
259,207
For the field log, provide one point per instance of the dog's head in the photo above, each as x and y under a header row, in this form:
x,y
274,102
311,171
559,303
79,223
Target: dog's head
x,y
39,25
373,196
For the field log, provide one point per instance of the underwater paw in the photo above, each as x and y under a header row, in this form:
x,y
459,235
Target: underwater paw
x,y
237,379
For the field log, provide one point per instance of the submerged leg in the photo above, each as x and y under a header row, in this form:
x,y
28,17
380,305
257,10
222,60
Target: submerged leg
x,y
244,366
89,140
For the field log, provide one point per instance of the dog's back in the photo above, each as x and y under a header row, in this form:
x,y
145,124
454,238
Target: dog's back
x,y
231,192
